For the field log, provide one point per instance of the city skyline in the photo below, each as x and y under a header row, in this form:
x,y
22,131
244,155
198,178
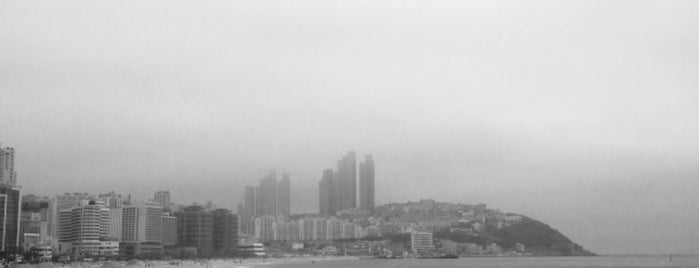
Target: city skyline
x,y
580,114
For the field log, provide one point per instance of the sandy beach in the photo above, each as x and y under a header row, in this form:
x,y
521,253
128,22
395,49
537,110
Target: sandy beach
x,y
208,263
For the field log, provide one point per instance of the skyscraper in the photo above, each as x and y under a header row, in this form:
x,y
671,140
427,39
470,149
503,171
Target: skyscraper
x,y
270,198
366,184
247,211
347,182
266,196
9,217
284,196
8,175
10,201
328,193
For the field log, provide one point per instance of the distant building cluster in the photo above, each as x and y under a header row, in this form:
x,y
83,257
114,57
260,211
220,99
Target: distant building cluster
x,y
80,225
310,228
270,198
338,188
265,213
111,225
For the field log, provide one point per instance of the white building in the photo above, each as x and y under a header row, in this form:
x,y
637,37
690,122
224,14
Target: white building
x,y
421,241
82,231
115,224
142,223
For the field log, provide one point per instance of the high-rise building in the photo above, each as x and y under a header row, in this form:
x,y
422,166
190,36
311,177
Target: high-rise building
x,y
115,224
347,182
247,211
142,223
60,203
366,184
328,193
264,228
142,230
8,175
266,196
10,210
225,232
163,199
195,229
338,190
82,231
284,196
269,198
34,221
169,230
10,202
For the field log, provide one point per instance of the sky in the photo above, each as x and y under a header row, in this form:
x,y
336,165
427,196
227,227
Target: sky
x,y
581,114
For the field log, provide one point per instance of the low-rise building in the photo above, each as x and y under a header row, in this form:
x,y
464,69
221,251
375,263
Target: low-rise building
x,y
421,241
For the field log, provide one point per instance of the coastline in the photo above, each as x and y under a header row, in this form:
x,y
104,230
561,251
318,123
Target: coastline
x,y
205,263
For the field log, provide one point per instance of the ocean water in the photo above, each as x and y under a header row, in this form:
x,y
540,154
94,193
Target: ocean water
x,y
515,262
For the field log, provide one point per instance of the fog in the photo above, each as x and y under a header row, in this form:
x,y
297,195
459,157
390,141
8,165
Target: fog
x,y
581,114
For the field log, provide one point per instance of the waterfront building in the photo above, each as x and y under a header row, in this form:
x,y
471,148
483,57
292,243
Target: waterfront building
x,y
82,231
421,241
293,230
62,202
34,221
225,232
281,230
493,249
169,234
252,250
366,184
306,229
320,229
10,210
195,229
142,228
333,229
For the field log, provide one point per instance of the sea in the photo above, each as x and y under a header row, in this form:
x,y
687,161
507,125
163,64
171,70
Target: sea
x,y
510,262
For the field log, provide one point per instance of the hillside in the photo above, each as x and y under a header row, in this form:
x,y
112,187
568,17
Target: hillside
x,y
540,239
475,224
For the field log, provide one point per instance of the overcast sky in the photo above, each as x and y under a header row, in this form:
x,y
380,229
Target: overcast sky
x,y
582,114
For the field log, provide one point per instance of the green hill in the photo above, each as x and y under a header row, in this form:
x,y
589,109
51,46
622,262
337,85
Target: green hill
x,y
538,237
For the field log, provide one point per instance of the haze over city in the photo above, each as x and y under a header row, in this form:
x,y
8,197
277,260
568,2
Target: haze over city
x,y
583,116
